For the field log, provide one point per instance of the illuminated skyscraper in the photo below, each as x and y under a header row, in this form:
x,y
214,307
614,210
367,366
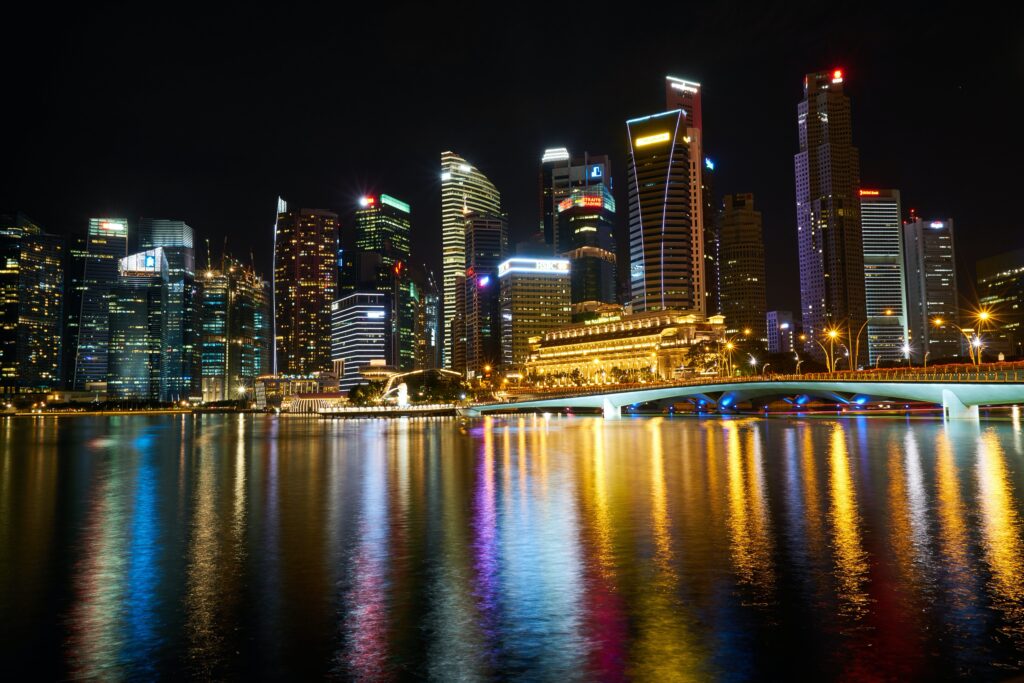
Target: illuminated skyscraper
x,y
535,298
464,189
486,248
932,292
741,254
305,281
560,173
686,95
95,273
664,266
138,328
781,329
359,333
1001,291
586,224
31,301
885,282
828,212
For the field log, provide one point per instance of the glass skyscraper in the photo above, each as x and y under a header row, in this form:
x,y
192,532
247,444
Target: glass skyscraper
x,y
885,281
741,255
359,331
138,328
586,225
932,292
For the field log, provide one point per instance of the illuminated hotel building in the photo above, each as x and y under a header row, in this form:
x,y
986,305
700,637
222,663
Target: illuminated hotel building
x,y
885,282
95,273
664,266
305,280
932,294
31,306
686,95
827,169
1001,291
741,255
235,331
560,173
464,189
535,298
359,335
655,344
486,248
138,328
586,224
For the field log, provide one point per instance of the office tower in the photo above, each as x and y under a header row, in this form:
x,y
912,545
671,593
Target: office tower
x,y
31,306
359,332
560,173
456,332
781,329
182,361
742,283
586,225
535,298
712,273
828,212
464,189
932,292
383,225
235,330
1001,291
686,95
305,280
885,282
426,332
486,248
664,266
95,273
138,327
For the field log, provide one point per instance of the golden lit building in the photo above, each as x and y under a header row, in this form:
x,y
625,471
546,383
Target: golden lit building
x,y
626,347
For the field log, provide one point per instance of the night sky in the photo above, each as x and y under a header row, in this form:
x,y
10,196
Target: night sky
x,y
207,115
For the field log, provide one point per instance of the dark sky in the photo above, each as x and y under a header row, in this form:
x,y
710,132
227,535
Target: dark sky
x,y
207,115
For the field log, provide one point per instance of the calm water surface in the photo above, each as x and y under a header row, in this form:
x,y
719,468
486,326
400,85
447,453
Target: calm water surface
x,y
531,548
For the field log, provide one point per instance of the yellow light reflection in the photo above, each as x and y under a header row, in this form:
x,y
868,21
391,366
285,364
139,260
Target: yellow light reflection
x,y
851,562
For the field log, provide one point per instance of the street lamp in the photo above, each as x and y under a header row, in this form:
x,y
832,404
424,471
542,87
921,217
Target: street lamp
x,y
796,356
968,335
764,368
856,341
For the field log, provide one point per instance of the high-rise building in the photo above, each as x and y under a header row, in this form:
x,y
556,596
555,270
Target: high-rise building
x,y
560,173
781,329
828,212
456,332
535,298
464,189
182,361
664,266
932,294
95,273
136,367
741,254
586,225
885,282
1001,291
712,273
426,331
686,95
359,332
305,281
486,248
235,325
31,306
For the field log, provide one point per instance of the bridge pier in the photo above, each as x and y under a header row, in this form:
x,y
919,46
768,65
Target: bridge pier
x,y
954,409
610,410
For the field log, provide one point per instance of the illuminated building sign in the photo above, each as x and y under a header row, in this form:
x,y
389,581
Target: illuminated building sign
x,y
710,165
936,224
143,262
869,193
555,154
484,281
837,76
685,86
653,139
524,265
586,201
396,203
367,201
564,205
111,226
596,171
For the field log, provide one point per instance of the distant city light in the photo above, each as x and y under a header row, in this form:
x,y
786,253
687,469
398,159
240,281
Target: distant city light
x,y
446,175
366,201
837,76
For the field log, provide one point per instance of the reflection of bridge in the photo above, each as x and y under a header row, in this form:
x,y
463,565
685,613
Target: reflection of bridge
x,y
957,390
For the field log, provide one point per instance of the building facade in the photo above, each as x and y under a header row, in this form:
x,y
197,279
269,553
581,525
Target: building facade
x,y
1001,291
486,248
560,174
781,330
359,335
31,306
932,292
586,226
742,281
885,282
137,368
464,189
536,297
305,280
827,169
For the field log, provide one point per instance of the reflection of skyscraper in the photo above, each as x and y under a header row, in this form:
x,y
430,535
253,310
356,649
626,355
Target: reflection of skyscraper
x,y
663,264
31,301
932,292
828,211
106,244
305,280
138,328
464,189
885,282
741,251
586,224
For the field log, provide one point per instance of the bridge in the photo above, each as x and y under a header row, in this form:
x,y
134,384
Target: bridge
x,y
958,389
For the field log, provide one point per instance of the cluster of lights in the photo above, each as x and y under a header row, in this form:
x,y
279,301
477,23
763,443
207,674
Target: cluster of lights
x,y
589,202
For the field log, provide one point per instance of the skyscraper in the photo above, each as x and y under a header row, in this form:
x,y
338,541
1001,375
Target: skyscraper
x,y
885,282
586,224
464,189
741,254
1001,291
781,328
712,273
305,281
31,306
359,331
96,273
828,212
932,293
427,332
686,95
486,248
535,298
137,366
664,266
560,173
